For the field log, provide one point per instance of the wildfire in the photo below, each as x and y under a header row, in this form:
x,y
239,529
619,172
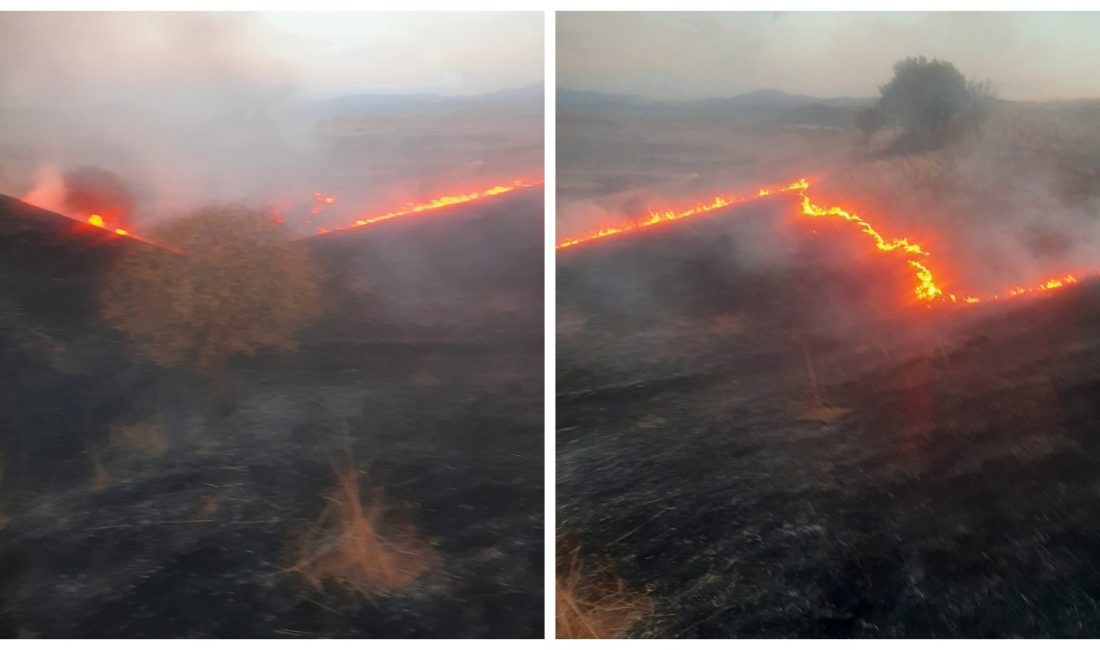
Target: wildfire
x,y
97,221
431,204
655,218
1046,285
322,201
926,290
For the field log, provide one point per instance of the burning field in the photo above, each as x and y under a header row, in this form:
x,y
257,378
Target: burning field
x,y
818,382
769,454
374,471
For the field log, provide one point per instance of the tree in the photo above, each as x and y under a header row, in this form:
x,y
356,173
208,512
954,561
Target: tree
x,y
236,286
931,100
869,121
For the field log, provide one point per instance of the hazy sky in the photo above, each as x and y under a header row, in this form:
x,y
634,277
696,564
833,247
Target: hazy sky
x,y
79,58
449,53
691,55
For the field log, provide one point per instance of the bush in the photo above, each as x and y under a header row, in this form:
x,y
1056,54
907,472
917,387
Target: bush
x,y
236,286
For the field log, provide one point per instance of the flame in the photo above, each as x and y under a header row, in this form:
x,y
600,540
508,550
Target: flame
x,y
1049,284
321,202
655,218
97,221
432,204
927,290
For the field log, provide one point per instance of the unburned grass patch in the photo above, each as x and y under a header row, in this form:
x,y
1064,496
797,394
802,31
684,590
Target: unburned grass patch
x,y
360,543
591,602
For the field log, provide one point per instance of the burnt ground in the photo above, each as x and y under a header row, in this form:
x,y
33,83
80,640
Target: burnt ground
x,y
425,371
944,483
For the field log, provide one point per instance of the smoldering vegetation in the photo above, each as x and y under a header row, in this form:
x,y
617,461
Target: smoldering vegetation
x,y
135,97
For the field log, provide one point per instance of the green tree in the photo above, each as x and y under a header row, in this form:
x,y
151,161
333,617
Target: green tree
x,y
869,122
930,101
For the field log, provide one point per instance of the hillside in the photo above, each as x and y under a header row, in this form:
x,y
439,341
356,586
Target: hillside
x,y
131,505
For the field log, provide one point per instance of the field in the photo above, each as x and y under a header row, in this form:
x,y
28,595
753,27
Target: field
x,y
763,438
133,504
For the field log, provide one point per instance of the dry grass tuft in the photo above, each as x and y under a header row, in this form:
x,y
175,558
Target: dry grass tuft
x,y
357,546
592,603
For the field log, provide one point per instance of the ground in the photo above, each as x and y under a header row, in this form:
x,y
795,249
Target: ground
x,y
766,453
133,504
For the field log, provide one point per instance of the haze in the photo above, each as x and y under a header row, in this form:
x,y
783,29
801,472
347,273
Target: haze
x,y
90,57
683,56
192,108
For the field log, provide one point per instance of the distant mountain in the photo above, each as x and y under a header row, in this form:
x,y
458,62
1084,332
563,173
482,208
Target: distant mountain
x,y
588,99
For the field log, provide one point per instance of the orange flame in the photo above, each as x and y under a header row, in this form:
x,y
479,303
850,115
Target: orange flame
x,y
655,218
433,204
1046,285
97,221
927,290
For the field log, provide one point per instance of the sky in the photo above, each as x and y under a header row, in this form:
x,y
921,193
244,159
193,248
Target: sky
x,y
448,53
692,55
88,57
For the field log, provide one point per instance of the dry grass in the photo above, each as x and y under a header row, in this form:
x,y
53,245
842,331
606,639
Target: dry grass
x,y
592,603
358,546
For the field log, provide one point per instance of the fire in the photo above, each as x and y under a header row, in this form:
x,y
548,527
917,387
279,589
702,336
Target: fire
x,y
1046,285
655,218
97,221
431,204
927,290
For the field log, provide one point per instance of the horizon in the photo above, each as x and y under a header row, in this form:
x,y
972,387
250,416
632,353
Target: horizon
x,y
704,98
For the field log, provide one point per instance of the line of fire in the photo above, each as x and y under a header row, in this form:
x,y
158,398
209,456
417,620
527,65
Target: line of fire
x,y
321,202
926,290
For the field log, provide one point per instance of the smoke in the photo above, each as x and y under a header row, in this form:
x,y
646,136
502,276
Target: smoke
x,y
186,109
998,210
181,106
691,55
